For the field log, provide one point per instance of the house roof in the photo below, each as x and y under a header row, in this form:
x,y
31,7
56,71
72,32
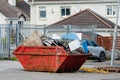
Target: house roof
x,y
23,6
11,11
86,17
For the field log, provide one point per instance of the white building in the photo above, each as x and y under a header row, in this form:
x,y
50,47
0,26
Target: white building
x,y
50,11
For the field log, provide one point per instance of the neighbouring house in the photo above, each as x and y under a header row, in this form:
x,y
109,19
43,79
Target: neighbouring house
x,y
14,12
47,12
85,19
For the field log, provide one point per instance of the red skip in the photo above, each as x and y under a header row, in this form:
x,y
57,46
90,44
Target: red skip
x,y
52,59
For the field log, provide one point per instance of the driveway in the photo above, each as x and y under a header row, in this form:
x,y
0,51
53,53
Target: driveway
x,y
12,70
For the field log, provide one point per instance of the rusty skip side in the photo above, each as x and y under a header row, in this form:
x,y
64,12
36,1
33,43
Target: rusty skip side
x,y
52,59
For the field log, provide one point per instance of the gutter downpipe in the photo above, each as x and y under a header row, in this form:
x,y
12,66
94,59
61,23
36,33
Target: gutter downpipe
x,y
115,35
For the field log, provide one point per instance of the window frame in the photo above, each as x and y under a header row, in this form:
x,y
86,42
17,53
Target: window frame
x,y
21,23
43,16
64,12
113,12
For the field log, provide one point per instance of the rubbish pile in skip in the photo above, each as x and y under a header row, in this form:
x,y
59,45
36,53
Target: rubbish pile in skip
x,y
70,42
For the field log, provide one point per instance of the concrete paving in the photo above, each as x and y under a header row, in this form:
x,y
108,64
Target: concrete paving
x,y
12,70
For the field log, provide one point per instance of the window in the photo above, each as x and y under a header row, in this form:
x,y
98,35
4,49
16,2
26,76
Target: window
x,y
112,10
42,12
11,22
20,23
65,11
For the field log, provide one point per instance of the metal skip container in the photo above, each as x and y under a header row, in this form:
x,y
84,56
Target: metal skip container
x,y
49,59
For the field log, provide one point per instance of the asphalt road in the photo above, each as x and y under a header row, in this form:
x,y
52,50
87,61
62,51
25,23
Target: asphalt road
x,y
12,70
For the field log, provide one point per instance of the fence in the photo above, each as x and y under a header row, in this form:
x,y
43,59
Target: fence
x,y
107,41
13,35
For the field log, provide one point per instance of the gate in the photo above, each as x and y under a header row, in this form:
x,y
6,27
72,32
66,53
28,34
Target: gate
x,y
4,41
11,36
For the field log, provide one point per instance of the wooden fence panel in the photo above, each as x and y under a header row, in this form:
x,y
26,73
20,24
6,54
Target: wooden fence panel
x,y
107,42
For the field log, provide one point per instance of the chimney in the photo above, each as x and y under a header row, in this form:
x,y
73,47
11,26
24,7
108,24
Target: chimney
x,y
12,2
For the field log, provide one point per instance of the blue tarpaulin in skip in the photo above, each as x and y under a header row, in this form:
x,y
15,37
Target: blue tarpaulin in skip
x,y
71,36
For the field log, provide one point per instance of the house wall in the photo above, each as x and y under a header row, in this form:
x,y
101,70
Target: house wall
x,y
54,14
25,21
2,19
